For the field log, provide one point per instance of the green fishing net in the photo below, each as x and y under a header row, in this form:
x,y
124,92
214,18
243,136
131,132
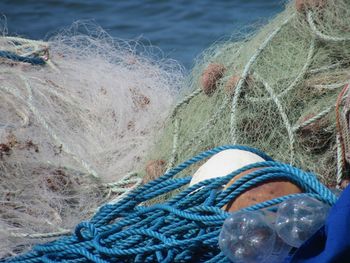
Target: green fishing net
x,y
275,90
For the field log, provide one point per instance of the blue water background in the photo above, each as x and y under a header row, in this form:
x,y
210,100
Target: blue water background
x,y
181,28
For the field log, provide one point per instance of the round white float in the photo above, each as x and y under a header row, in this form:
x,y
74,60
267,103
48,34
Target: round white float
x,y
223,163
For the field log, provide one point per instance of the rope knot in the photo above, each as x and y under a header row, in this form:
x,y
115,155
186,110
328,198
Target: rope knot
x,y
85,231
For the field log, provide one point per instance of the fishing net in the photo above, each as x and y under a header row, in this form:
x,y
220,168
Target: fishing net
x,y
88,115
279,90
78,114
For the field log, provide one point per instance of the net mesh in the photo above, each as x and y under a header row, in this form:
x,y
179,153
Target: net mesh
x,y
72,127
275,90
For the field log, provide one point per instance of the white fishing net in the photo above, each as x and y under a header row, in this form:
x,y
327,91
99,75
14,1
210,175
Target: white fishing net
x,y
73,125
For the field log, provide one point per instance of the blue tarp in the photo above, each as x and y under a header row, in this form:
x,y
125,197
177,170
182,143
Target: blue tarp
x,y
332,242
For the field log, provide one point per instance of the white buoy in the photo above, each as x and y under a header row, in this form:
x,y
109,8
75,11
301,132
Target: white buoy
x,y
223,163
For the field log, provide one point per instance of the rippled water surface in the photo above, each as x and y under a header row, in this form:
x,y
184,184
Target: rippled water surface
x,y
181,28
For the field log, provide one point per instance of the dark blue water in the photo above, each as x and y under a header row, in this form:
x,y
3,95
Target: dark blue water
x,y
181,28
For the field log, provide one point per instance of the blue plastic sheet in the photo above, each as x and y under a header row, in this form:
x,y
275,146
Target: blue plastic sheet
x,y
332,242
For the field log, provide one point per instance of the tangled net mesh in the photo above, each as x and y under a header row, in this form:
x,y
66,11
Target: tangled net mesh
x,y
275,90
71,128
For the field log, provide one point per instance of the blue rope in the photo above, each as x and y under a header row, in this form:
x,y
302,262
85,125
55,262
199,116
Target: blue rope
x,y
182,229
15,57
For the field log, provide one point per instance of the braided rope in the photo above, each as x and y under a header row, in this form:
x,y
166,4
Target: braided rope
x,y
331,86
283,114
317,117
246,70
239,87
325,68
176,121
340,164
36,47
339,124
24,41
84,250
290,87
15,57
211,121
59,233
186,100
321,35
119,187
298,78
184,228
31,49
176,131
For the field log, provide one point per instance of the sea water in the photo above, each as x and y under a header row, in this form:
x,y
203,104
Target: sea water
x,y
180,28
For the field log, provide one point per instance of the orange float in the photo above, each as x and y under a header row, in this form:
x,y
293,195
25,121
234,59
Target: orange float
x,y
260,193
304,5
210,76
154,169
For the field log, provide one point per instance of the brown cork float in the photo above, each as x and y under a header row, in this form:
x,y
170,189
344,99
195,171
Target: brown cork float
x,y
260,193
210,76
154,169
304,5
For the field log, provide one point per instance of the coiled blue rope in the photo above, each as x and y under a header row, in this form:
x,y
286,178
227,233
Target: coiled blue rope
x,y
182,229
27,59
